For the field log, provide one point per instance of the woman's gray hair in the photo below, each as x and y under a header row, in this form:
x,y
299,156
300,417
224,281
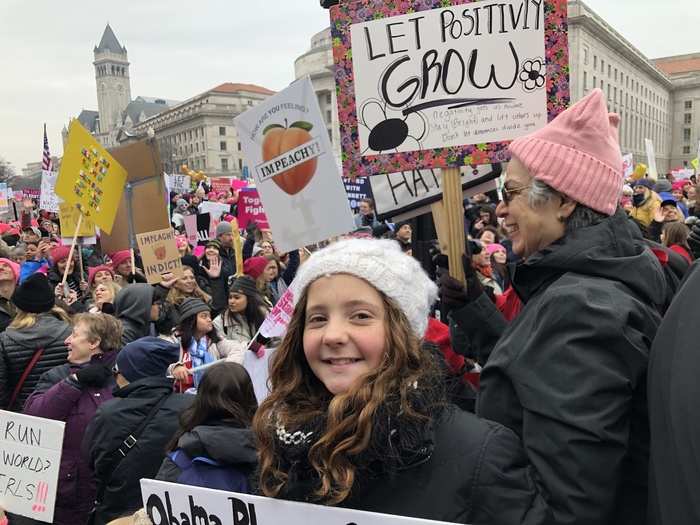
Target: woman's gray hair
x,y
582,216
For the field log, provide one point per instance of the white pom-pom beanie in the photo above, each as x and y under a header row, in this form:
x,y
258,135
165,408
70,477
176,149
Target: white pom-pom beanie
x,y
383,265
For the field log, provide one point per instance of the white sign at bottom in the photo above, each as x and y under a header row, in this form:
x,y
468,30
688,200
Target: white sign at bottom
x,y
31,456
170,504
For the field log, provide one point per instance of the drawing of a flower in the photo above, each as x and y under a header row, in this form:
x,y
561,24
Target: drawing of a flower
x,y
533,74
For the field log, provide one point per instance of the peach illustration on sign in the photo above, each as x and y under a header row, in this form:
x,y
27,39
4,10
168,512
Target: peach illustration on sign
x,y
159,252
280,139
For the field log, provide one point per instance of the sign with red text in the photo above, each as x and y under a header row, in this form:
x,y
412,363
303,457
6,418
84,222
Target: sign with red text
x,y
49,200
171,503
276,322
220,184
437,84
250,208
159,254
285,140
31,457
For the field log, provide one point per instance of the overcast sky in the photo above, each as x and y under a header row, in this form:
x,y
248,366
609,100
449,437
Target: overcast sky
x,y
179,49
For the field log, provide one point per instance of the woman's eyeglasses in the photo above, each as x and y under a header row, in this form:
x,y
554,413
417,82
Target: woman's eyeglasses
x,y
510,193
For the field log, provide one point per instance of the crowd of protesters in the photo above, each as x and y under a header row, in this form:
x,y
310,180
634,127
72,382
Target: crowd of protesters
x,y
555,385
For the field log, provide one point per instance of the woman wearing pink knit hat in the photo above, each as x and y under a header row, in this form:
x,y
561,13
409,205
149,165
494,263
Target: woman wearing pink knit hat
x,y
568,374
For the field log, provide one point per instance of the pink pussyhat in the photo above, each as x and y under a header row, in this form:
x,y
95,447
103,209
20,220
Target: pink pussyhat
x,y
578,154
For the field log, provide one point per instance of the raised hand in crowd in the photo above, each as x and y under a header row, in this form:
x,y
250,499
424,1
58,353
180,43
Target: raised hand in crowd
x,y
214,270
168,280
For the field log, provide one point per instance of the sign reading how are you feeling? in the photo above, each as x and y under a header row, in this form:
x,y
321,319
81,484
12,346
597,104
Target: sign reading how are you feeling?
x,y
437,84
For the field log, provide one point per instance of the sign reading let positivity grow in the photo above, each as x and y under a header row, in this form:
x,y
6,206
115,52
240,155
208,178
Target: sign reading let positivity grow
x,y
438,83
90,178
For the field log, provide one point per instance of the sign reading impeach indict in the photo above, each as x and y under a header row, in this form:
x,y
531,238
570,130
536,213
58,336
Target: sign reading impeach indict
x,y
159,254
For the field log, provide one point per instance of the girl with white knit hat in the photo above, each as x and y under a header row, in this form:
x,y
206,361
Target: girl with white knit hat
x,y
357,416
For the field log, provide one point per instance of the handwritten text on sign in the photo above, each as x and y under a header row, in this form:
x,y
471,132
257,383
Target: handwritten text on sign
x,y
30,456
458,75
171,504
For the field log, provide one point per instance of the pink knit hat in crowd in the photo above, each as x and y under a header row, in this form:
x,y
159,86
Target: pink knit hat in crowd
x,y
578,154
255,266
12,265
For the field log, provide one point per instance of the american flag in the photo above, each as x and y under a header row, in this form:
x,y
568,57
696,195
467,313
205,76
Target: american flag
x,y
46,162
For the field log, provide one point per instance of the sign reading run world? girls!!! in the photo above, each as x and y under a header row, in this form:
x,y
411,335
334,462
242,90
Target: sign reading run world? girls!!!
x,y
439,83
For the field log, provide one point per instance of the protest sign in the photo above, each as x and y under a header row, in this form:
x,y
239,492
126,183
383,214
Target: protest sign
x,y
250,208
141,204
628,165
48,200
286,141
397,193
159,254
203,228
651,159
191,229
238,184
276,322
220,184
90,178
4,198
178,183
438,84
171,503
68,214
682,173
357,190
31,457
215,209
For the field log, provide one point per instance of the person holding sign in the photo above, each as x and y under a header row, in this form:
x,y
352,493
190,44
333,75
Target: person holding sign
x,y
568,374
72,392
358,415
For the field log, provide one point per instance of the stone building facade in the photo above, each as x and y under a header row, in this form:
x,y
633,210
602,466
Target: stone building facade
x,y
200,132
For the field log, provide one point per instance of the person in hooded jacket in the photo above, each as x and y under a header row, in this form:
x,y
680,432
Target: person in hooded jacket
x,y
126,439
645,202
568,374
214,446
72,392
33,342
134,307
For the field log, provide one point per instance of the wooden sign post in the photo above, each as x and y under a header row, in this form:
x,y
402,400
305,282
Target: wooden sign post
x,y
454,217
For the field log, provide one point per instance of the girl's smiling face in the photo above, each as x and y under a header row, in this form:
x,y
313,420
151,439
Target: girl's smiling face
x,y
344,333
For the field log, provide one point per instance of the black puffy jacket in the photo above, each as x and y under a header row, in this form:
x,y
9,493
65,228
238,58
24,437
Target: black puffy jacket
x,y
17,348
568,375
467,470
114,421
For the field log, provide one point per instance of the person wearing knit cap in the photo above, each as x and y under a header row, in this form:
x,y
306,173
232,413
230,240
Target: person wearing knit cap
x,y
179,214
9,278
568,373
645,202
100,275
200,344
255,266
246,310
663,186
77,288
37,325
351,363
224,234
144,396
121,263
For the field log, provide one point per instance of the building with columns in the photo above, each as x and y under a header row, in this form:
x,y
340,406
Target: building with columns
x,y
199,132
656,99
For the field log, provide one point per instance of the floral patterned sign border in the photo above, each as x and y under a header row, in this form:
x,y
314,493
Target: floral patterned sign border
x,y
347,13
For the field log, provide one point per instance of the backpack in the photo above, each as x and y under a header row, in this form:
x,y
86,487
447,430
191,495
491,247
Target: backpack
x,y
202,471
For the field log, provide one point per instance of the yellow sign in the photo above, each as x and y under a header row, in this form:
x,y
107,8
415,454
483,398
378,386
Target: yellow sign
x,y
159,254
68,215
695,163
90,179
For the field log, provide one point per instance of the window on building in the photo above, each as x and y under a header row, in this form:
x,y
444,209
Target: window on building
x,y
204,148
330,133
329,116
328,98
222,145
686,134
609,71
585,80
615,74
196,164
688,104
602,85
615,95
204,163
239,146
595,62
240,164
595,81
602,66
688,118
190,135
250,102
196,147
222,130
686,150
224,164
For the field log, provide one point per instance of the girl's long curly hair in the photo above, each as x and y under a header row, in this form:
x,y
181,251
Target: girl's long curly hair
x,y
299,398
